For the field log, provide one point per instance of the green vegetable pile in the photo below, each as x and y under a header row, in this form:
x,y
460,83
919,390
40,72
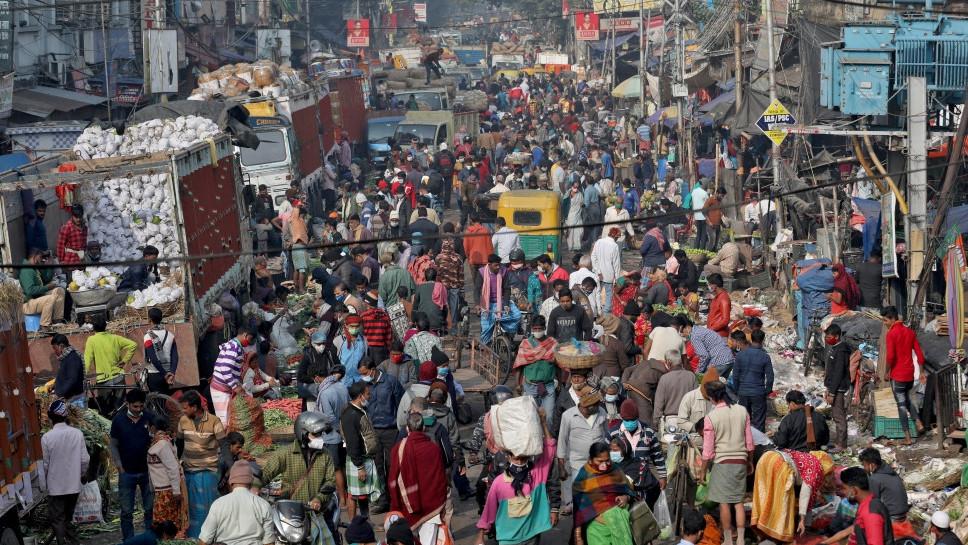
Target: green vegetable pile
x,y
185,541
699,251
671,310
289,391
276,418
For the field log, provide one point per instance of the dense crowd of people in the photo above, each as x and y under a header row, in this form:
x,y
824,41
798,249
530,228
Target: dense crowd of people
x,y
382,410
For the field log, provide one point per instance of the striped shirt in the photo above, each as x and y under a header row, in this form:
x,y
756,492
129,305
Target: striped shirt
x,y
710,347
376,327
228,364
201,439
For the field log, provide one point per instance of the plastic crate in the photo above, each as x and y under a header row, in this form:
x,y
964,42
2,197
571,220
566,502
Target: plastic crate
x,y
891,427
761,280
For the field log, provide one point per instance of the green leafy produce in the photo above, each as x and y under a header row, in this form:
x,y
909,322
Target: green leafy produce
x,y
289,391
185,541
276,418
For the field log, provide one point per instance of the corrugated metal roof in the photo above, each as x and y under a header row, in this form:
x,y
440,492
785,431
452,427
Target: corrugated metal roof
x,y
43,101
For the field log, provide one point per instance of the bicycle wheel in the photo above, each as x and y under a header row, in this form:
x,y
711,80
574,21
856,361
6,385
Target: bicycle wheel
x,y
166,405
865,408
680,501
505,354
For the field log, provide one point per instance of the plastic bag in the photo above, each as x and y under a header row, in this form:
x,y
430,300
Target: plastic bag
x,y
662,516
89,504
516,426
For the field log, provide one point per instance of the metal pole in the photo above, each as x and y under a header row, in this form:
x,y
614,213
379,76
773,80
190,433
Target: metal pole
x,y
643,44
614,17
917,182
107,75
681,78
771,53
737,57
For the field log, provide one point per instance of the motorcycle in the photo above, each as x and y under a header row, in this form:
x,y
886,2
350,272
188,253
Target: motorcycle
x,y
294,520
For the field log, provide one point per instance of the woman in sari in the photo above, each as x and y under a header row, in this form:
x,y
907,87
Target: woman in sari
x,y
601,495
845,294
625,290
166,477
775,506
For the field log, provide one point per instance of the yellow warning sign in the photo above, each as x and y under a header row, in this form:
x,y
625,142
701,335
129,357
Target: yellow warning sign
x,y
775,114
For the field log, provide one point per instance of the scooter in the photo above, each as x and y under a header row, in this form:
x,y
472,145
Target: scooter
x,y
294,519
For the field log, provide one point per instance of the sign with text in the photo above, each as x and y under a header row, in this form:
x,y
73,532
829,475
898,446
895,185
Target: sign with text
x,y
6,96
586,25
420,13
621,24
774,115
358,33
6,36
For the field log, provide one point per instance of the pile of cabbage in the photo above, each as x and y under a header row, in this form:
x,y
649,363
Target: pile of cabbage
x,y
127,214
148,137
91,278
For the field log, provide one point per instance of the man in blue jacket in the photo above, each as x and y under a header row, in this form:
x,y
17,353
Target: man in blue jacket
x,y
753,379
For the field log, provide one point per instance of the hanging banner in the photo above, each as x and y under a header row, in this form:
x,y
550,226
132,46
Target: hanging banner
x,y
6,95
6,36
954,299
358,33
564,9
888,236
586,25
656,30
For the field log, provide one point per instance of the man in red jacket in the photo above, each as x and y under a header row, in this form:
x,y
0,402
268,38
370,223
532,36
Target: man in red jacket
x,y
477,247
718,319
901,343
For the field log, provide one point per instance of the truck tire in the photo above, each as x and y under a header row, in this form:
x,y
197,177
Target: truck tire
x,y
11,529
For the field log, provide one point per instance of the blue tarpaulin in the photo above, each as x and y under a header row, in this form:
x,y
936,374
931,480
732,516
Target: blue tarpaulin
x,y
606,44
11,161
813,284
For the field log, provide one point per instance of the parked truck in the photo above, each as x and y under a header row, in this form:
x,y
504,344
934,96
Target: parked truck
x,y
205,187
22,475
435,128
471,55
380,128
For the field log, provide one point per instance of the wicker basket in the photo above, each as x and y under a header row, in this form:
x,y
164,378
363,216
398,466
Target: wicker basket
x,y
580,362
168,310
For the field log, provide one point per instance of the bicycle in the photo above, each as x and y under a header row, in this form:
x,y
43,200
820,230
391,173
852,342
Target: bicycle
x,y
503,344
680,478
813,347
863,402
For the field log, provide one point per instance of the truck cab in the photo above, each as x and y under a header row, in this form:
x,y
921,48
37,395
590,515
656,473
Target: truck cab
x,y
430,132
434,98
274,162
380,131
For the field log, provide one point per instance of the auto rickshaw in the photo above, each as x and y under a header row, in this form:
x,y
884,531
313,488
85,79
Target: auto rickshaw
x,y
536,216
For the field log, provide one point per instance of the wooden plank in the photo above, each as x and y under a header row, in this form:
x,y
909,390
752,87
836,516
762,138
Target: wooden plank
x,y
472,381
884,404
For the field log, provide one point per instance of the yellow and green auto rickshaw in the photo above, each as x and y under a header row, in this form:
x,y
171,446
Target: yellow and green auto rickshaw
x,y
536,216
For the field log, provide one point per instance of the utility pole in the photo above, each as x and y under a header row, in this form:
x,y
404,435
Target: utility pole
x,y
107,63
615,12
737,56
771,53
643,44
916,219
683,142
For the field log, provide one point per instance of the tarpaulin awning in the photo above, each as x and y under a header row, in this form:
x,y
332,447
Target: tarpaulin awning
x,y
606,44
232,56
672,112
720,105
43,101
200,53
13,160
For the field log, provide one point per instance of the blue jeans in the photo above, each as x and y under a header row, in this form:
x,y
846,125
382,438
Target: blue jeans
x,y
608,288
455,298
509,321
547,402
127,482
905,405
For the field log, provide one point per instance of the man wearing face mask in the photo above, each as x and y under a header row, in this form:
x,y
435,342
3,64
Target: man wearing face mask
x,y
316,360
333,396
226,377
417,480
306,467
872,526
385,395
496,305
581,426
129,450
645,445
534,366
362,481
569,321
